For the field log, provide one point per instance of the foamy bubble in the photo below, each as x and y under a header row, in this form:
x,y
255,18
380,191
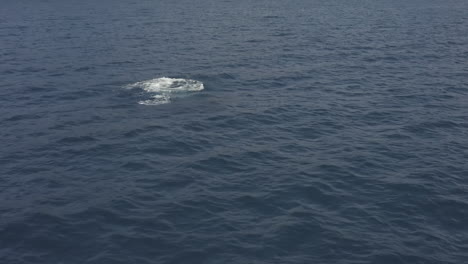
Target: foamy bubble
x,y
162,89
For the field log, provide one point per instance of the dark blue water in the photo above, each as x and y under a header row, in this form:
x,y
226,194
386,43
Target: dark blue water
x,y
327,132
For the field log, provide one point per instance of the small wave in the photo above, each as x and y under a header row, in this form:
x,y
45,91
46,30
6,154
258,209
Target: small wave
x,y
163,89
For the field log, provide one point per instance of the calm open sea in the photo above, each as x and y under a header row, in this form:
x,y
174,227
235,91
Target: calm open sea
x,y
234,132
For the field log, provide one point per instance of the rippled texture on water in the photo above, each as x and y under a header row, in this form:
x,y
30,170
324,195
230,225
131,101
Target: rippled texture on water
x,y
327,132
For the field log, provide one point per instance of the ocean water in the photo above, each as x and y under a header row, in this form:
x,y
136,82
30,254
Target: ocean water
x,y
267,131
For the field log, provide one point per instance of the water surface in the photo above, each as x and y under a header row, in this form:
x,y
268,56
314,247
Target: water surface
x,y
326,132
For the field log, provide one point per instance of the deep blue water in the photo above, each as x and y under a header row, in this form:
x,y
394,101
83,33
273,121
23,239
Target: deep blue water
x,y
327,132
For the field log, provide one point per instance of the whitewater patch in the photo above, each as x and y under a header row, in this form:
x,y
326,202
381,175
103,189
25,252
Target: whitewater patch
x,y
162,90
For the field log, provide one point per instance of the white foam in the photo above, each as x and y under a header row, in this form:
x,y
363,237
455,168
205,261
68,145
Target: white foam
x,y
164,88
156,100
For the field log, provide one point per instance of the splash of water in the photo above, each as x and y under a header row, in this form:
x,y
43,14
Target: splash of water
x,y
163,89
